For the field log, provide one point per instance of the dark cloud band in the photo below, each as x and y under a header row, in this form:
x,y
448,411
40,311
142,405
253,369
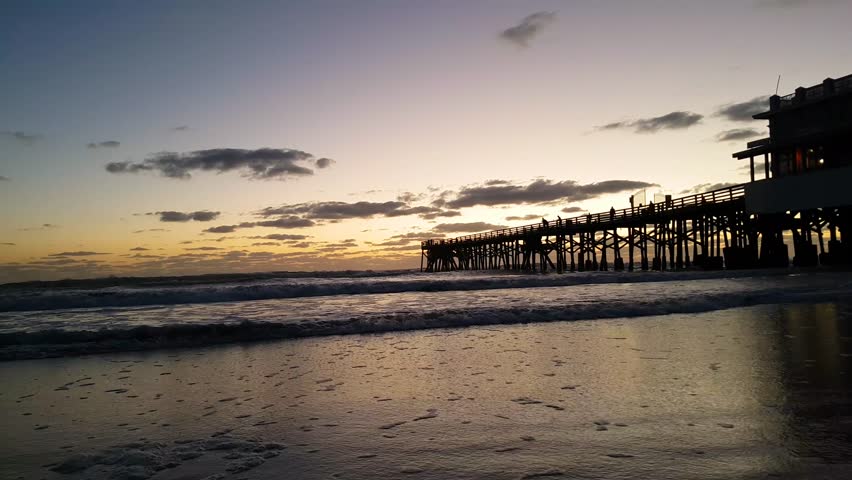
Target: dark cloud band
x,y
537,192
466,227
347,210
670,121
737,134
262,163
283,223
199,216
743,111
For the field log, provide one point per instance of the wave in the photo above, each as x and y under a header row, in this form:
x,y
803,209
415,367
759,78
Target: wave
x,y
175,291
207,278
60,342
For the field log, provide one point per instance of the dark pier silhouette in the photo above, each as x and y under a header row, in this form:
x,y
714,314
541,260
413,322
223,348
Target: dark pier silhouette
x,y
805,197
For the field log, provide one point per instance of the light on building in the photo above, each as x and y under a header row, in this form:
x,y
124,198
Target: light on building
x,y
787,212
821,161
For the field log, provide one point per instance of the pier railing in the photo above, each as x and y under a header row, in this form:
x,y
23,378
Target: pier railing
x,y
605,219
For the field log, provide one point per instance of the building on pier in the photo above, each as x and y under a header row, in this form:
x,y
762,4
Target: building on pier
x,y
805,193
807,163
809,130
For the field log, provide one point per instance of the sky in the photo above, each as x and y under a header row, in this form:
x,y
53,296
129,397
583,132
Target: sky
x,y
175,138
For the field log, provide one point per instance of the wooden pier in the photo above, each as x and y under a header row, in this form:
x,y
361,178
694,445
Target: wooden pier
x,y
805,197
710,230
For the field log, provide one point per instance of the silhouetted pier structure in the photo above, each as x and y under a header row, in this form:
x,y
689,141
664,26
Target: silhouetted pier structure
x,y
693,230
805,195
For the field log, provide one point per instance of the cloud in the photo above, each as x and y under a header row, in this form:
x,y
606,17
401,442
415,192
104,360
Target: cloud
x,y
414,236
398,242
410,197
203,249
515,218
572,210
442,214
43,226
528,28
106,144
324,162
8,244
743,111
737,134
180,128
670,121
343,244
759,168
76,254
538,192
283,236
707,187
5,179
139,249
466,227
225,228
282,222
21,137
263,163
406,239
346,210
496,182
286,222
151,230
199,216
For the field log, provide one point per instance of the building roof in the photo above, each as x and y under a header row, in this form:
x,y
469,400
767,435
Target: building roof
x,y
829,88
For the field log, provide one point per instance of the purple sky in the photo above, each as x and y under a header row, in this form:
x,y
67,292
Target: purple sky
x,y
127,129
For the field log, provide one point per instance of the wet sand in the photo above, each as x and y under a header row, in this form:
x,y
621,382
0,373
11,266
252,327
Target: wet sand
x,y
759,392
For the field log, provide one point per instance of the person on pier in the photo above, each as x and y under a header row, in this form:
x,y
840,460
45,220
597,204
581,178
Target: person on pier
x,y
612,213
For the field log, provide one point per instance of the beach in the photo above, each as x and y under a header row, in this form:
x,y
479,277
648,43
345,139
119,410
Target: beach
x,y
433,240
747,392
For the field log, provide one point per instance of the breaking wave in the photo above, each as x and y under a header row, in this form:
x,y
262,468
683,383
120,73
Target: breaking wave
x,y
74,332
210,289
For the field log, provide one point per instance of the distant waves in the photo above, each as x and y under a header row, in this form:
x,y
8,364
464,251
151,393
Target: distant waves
x,y
225,288
47,334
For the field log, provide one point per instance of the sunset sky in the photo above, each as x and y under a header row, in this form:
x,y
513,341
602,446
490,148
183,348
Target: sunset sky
x,y
170,138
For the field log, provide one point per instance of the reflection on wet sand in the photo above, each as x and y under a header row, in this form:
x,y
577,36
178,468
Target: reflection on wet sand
x,y
817,360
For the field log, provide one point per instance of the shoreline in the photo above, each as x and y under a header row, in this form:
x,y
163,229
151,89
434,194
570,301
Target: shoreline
x,y
703,394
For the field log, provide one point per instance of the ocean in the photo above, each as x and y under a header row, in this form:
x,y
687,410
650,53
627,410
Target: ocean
x,y
104,315
385,375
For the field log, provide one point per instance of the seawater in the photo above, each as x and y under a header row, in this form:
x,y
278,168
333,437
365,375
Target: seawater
x,y
131,314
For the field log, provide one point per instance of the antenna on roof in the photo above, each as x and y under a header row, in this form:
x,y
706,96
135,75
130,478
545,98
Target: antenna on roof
x,y
777,84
